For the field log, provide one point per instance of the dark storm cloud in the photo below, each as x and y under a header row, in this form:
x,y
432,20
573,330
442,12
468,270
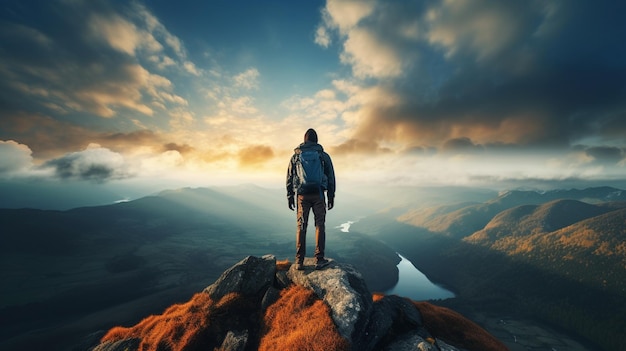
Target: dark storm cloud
x,y
461,145
603,154
531,73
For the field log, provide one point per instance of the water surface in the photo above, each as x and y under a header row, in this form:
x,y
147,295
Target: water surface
x,y
411,282
415,285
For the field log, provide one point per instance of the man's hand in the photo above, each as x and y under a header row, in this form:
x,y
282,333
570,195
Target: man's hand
x,y
331,203
291,203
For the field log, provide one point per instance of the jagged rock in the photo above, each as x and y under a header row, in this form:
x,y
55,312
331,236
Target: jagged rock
x,y
282,281
271,295
445,347
390,313
342,287
250,277
235,341
89,341
412,341
120,345
392,323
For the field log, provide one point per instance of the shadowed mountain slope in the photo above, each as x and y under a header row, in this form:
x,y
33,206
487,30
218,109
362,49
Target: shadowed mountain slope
x,y
65,272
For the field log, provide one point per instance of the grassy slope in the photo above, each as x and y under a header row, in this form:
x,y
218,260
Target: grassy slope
x,y
560,262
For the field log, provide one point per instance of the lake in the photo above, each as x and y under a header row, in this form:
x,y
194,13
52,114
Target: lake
x,y
415,285
411,282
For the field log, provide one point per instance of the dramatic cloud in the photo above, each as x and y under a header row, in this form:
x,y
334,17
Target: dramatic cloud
x,y
255,155
514,72
461,145
358,146
182,149
94,164
51,138
363,48
610,155
485,29
404,90
58,65
15,158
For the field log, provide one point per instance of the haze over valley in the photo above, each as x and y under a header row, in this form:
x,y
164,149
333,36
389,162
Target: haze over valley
x,y
518,253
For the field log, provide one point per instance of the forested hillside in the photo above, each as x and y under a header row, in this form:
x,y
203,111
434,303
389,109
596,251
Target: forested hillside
x,y
557,257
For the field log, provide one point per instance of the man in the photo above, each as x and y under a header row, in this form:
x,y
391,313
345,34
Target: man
x,y
309,174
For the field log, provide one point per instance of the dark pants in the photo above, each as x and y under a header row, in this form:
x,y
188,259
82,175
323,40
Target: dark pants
x,y
305,204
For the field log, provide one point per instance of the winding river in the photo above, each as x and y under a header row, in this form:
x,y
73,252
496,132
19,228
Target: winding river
x,y
411,282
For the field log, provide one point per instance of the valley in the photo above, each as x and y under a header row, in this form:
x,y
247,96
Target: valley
x,y
553,262
70,273
555,258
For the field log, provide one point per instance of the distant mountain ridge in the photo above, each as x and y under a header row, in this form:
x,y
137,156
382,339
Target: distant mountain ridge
x,y
527,219
464,219
596,241
555,230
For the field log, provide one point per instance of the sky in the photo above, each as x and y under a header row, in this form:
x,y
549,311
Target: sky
x,y
140,95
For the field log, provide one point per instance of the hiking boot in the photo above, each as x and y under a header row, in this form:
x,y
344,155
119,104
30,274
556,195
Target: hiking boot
x,y
299,266
321,263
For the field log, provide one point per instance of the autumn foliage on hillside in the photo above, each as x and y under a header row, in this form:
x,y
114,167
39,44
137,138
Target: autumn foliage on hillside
x,y
283,265
297,320
300,321
452,327
198,324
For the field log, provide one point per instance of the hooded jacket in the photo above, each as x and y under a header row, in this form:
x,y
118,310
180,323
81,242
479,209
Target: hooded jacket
x,y
292,177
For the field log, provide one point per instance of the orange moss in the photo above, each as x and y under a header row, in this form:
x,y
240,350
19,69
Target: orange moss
x,y
283,265
300,321
377,296
452,327
186,326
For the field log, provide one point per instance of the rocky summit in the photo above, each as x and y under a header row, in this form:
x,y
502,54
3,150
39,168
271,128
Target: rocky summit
x,y
262,304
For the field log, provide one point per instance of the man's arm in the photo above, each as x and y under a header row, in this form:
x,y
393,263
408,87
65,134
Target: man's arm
x,y
330,174
289,185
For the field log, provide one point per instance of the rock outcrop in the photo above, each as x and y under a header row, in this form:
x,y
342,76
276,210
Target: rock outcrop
x,y
238,304
345,292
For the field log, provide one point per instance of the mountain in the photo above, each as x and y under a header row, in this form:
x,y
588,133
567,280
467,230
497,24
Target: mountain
x,y
259,305
553,257
571,238
528,219
66,272
548,257
463,219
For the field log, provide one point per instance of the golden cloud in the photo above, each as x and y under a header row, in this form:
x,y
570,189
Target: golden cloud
x,y
359,146
255,155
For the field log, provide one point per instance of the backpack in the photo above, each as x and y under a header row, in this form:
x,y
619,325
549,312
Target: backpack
x,y
310,172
